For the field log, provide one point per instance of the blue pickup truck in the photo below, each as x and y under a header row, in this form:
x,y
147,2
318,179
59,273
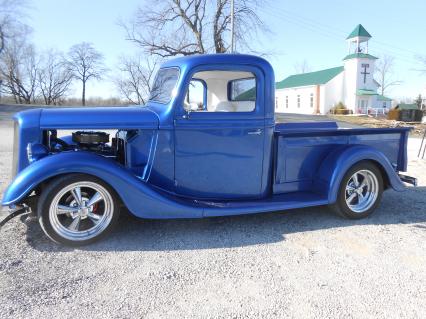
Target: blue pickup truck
x,y
206,144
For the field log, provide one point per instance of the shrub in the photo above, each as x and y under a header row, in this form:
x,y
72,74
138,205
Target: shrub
x,y
340,109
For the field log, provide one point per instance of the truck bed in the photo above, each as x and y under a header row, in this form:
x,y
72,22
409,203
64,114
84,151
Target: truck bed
x,y
301,148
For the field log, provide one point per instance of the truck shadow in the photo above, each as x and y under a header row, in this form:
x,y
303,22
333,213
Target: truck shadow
x,y
133,234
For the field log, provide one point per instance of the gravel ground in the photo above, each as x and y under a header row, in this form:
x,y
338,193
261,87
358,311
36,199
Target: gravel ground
x,y
303,263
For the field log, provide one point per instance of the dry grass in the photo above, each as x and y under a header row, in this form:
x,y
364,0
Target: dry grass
x,y
369,121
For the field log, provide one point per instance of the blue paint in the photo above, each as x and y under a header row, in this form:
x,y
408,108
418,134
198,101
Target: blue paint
x,y
181,165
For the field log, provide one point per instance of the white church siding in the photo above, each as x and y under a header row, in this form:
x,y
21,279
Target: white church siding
x,y
293,95
333,93
350,85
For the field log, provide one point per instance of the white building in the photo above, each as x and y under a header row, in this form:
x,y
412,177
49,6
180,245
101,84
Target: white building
x,y
352,84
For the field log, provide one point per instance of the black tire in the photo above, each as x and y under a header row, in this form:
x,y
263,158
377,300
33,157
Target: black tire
x,y
342,208
54,224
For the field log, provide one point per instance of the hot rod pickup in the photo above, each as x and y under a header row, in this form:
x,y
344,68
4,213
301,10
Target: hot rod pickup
x,y
206,144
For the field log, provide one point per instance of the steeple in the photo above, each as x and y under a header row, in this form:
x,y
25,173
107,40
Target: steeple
x,y
358,40
359,31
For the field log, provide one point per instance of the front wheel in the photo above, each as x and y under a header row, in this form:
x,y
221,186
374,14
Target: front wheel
x,y
360,191
77,209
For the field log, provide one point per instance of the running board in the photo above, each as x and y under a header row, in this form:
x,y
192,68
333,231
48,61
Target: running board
x,y
276,202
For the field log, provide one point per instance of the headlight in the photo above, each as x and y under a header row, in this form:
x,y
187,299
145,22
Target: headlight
x,y
36,151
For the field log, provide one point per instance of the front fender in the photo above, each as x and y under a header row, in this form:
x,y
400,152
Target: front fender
x,y
337,163
141,199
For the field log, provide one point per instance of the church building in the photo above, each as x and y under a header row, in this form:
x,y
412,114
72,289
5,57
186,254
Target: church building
x,y
352,84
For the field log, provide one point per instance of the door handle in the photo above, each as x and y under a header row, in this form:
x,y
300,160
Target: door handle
x,y
256,132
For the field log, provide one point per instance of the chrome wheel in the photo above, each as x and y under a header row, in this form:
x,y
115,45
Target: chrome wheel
x,y
81,211
362,191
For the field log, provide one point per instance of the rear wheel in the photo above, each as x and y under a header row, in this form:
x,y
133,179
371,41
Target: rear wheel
x,y
77,209
360,191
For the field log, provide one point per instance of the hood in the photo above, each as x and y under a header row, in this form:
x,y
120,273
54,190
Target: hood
x,y
98,118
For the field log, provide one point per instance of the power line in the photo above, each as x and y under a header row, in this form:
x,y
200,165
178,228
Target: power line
x,y
331,32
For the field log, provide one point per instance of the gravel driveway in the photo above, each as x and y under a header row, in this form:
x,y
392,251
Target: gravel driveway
x,y
303,263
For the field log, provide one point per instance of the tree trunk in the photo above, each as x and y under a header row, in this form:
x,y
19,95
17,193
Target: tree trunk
x,y
83,95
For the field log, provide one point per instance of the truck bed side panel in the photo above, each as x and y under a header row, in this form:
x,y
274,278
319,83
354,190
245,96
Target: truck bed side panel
x,y
300,153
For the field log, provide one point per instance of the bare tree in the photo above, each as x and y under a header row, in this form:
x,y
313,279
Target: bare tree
x,y
135,78
12,27
19,68
85,63
384,73
186,27
11,24
54,77
302,67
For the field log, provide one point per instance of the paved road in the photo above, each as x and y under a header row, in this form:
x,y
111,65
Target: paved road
x,y
293,117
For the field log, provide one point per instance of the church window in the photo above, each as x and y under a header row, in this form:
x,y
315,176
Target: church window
x,y
286,102
298,101
312,100
384,105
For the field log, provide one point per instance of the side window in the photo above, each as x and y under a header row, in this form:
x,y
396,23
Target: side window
x,y
221,91
196,97
242,90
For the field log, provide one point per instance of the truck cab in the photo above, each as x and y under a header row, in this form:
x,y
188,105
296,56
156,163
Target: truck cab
x,y
221,112
206,144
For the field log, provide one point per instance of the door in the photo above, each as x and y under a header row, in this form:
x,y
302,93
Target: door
x,y
219,136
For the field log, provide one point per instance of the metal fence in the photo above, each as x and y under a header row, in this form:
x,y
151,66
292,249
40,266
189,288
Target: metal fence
x,y
373,111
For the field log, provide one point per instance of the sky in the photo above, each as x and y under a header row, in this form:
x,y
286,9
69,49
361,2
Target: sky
x,y
311,31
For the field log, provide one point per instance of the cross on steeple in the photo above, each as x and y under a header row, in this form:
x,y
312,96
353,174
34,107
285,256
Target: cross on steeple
x,y
365,66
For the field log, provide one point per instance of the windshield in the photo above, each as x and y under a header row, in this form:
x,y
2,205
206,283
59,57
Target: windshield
x,y
165,82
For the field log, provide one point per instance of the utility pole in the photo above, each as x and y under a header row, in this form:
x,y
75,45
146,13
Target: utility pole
x,y
232,27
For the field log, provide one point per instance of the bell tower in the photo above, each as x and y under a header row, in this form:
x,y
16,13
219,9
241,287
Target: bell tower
x,y
359,84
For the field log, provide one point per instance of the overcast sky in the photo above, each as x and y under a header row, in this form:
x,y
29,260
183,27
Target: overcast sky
x,y
314,31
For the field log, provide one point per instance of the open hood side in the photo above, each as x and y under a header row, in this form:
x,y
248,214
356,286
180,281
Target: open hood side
x,y
99,118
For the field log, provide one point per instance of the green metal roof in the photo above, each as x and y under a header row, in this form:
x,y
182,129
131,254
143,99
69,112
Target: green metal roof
x,y
404,106
359,55
359,31
311,78
383,98
366,92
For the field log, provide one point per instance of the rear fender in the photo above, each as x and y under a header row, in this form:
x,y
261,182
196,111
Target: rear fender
x,y
338,162
141,199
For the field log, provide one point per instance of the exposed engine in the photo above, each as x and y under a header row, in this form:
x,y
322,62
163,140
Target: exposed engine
x,y
90,139
93,141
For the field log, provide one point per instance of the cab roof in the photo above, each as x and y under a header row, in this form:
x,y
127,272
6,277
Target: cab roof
x,y
219,58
